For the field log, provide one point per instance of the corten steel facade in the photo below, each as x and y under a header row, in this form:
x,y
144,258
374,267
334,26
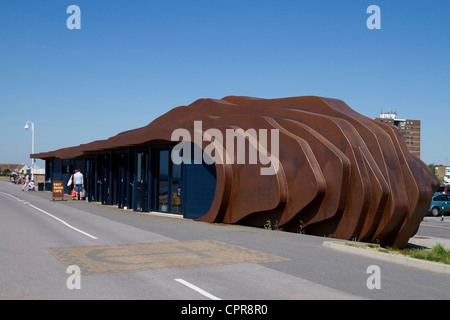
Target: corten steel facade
x,y
340,174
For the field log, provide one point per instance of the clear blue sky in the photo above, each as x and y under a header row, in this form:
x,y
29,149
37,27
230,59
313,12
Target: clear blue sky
x,y
132,61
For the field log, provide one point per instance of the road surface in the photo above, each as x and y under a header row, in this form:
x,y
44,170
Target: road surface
x,y
78,250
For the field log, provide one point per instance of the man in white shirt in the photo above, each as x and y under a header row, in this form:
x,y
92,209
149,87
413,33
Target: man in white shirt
x,y
79,182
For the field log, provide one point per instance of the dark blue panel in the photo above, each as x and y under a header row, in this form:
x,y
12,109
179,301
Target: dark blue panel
x,y
57,169
199,185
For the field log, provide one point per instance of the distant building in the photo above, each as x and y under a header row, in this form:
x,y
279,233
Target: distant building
x,y
410,129
13,167
447,175
443,173
38,173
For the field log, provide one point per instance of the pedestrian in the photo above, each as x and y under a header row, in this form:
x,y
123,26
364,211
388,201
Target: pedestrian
x,y
27,179
79,183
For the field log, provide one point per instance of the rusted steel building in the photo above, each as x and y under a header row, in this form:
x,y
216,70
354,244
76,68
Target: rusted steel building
x,y
322,168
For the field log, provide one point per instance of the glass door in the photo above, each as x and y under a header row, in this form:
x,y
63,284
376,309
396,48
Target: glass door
x,y
162,192
168,182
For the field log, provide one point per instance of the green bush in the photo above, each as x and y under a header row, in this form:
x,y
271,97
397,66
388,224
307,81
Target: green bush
x,y
6,172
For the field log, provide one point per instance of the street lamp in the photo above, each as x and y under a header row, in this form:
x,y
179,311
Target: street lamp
x,y
32,143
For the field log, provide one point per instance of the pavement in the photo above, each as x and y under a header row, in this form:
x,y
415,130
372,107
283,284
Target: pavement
x,y
424,242
244,262
418,241
428,242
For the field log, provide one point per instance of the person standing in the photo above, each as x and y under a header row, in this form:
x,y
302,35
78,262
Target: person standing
x,y
79,183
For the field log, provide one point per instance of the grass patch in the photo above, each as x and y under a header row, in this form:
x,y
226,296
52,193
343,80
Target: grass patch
x,y
437,254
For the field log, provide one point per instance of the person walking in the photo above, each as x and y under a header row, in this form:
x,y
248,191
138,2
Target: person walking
x,y
79,183
25,185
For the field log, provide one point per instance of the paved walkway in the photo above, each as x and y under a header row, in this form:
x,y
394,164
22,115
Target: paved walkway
x,y
428,242
417,242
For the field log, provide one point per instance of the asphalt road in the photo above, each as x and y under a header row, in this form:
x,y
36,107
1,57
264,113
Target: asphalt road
x,y
435,227
124,255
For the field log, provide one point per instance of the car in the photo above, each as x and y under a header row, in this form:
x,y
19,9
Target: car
x,y
438,203
444,189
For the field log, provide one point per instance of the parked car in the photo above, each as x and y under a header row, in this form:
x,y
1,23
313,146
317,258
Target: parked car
x,y
444,189
439,202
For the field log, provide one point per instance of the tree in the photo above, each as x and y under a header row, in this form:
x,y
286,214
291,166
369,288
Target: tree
x,y
433,168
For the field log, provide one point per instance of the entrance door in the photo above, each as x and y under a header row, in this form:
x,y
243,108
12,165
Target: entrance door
x,y
185,189
168,182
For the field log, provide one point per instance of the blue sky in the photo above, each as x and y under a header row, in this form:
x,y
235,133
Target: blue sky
x,y
132,61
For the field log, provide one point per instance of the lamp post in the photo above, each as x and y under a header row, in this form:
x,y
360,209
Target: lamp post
x,y
32,143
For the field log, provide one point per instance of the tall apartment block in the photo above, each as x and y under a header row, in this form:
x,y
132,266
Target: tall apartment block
x,y
410,129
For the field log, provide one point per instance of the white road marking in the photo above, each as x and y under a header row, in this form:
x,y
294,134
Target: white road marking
x,y
7,194
52,216
199,290
443,227
435,226
63,222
